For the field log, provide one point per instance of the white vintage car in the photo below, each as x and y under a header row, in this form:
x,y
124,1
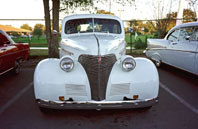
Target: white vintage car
x,y
179,48
93,71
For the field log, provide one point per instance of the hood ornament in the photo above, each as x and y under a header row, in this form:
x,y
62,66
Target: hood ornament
x,y
99,59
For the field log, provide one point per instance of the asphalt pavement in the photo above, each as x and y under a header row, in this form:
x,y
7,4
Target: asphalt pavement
x,y
177,107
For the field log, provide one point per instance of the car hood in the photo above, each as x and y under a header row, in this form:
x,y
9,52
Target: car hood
x,y
92,44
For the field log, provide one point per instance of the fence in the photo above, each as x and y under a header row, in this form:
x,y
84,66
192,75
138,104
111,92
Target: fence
x,y
136,39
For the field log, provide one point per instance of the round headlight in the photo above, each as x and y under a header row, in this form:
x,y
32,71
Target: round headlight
x,y
128,64
67,64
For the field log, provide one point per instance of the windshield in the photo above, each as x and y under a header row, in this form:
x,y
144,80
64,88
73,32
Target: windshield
x,y
92,25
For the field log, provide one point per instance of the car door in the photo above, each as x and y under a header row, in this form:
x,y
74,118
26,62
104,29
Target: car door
x,y
6,53
1,56
194,39
172,39
182,53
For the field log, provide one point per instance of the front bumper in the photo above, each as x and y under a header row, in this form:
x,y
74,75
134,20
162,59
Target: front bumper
x,y
129,104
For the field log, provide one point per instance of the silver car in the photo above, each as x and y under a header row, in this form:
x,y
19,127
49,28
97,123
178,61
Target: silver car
x,y
179,48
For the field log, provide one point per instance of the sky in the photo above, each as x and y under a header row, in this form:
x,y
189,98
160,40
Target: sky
x,y
33,9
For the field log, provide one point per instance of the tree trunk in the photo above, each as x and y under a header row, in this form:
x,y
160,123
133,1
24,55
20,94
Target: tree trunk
x,y
48,27
55,43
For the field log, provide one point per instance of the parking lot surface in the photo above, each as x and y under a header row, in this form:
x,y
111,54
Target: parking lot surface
x,y
177,107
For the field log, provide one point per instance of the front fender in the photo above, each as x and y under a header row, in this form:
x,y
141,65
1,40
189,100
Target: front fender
x,y
50,82
142,81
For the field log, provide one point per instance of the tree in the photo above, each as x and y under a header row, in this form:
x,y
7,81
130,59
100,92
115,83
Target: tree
x,y
104,12
161,8
38,30
172,22
67,6
26,26
194,5
189,15
52,40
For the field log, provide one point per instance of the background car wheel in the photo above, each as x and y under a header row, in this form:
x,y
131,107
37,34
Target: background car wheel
x,y
157,63
17,67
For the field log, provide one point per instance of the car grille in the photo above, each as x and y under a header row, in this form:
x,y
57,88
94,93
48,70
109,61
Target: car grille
x,y
98,73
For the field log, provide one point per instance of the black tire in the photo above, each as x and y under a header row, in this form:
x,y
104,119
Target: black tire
x,y
17,67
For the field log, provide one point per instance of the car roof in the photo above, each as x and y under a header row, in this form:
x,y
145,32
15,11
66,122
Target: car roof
x,y
79,16
185,25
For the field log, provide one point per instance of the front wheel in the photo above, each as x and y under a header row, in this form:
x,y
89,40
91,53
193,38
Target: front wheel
x,y
17,67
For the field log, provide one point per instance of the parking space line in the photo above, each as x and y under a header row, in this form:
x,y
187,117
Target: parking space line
x,y
16,97
181,100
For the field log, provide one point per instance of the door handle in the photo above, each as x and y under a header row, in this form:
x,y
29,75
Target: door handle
x,y
174,43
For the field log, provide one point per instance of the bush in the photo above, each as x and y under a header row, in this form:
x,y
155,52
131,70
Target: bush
x,y
156,35
140,45
38,30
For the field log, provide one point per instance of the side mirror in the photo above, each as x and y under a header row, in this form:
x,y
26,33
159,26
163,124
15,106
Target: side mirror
x,y
187,37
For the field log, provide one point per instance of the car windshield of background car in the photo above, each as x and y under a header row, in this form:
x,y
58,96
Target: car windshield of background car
x,y
3,39
173,36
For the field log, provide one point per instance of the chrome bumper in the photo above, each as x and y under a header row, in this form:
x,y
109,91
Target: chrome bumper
x,y
97,104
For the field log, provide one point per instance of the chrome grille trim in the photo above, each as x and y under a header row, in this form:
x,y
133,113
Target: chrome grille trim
x,y
98,74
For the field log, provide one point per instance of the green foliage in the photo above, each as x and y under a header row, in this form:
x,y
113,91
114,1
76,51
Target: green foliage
x,y
140,44
146,30
142,37
37,52
15,34
26,26
38,30
42,42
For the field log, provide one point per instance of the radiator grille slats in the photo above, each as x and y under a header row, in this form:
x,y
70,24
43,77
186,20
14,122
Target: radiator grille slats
x,y
98,74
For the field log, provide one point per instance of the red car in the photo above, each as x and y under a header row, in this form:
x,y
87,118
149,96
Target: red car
x,y
11,54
